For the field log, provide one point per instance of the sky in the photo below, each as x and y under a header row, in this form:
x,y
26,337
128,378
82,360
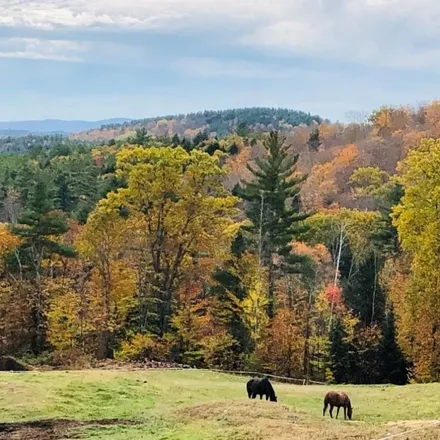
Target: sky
x,y
97,59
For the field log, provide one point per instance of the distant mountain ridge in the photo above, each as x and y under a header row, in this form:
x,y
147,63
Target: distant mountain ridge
x,y
53,126
214,122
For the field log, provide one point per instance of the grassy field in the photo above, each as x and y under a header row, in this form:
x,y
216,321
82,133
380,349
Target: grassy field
x,y
194,405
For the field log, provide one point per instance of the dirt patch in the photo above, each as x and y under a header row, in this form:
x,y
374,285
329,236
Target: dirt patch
x,y
51,429
411,424
426,429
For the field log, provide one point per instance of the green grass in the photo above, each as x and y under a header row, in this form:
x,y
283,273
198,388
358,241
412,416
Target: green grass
x,y
193,405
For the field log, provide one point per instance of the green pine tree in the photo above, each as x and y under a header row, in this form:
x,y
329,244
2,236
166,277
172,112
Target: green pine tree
x,y
339,353
76,183
273,207
233,149
394,366
200,137
186,144
242,129
63,197
314,140
37,227
141,137
227,284
362,291
175,140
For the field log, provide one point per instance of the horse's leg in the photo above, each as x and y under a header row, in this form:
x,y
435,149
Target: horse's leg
x,y
267,396
261,397
331,410
325,408
345,413
337,412
254,395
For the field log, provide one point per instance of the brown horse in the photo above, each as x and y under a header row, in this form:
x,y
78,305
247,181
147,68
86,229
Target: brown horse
x,y
338,399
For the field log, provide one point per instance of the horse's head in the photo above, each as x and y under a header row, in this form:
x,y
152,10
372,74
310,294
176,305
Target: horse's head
x,y
274,398
349,412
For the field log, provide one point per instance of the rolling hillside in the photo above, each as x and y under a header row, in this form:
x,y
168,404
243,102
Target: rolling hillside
x,y
220,123
52,126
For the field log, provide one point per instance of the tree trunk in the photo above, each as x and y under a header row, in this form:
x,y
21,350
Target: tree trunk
x,y
271,291
335,282
373,305
38,338
105,350
307,349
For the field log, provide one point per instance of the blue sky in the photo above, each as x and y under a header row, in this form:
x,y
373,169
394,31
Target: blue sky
x,y
96,59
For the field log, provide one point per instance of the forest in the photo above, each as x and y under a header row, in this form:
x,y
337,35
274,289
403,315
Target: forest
x,y
306,250
215,123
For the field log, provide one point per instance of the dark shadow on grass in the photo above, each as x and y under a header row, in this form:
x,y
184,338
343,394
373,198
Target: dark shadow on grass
x,y
52,429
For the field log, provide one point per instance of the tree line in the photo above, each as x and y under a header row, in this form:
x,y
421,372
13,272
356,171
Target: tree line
x,y
152,249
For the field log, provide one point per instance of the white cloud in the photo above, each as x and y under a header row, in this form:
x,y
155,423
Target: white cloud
x,y
211,67
37,49
149,14
390,33
393,33
217,67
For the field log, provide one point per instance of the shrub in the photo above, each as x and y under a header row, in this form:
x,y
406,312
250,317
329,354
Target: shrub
x,y
141,347
74,359
223,352
253,362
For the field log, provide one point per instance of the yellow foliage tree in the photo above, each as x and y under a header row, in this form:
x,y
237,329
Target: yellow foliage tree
x,y
283,348
254,306
112,286
416,219
177,210
67,318
8,242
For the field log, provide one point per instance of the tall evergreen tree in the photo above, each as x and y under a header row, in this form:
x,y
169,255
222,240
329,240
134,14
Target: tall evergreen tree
x,y
242,129
37,228
394,366
273,207
186,144
363,292
386,237
63,197
175,140
233,149
314,140
339,352
227,284
141,137
200,137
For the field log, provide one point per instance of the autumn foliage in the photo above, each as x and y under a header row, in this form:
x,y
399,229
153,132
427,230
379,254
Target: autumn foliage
x,y
310,252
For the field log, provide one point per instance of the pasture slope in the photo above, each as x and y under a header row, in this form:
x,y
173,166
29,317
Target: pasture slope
x,y
195,405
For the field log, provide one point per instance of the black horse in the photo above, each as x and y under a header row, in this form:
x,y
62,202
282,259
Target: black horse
x,y
261,387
